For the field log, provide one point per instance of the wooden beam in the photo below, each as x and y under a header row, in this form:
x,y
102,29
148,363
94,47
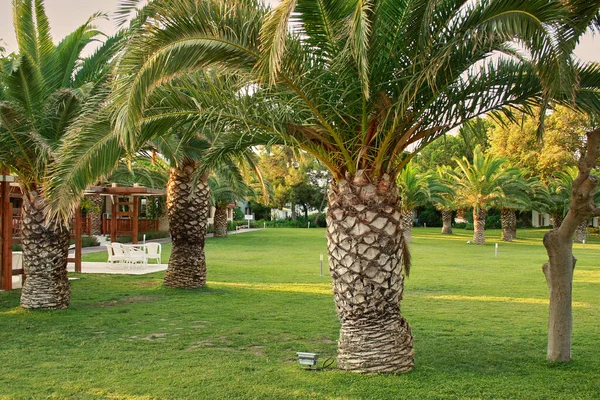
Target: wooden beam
x,y
113,221
6,234
136,216
78,245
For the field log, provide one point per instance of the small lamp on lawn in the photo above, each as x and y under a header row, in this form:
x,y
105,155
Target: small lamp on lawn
x,y
308,360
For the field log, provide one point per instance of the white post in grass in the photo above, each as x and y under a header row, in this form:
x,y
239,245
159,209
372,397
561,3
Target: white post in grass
x,y
321,258
496,252
308,224
583,244
144,239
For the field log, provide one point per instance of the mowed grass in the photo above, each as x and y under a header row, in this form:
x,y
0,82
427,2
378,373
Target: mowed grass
x,y
479,324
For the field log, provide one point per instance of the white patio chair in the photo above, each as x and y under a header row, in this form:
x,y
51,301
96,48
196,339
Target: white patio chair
x,y
134,255
154,252
115,253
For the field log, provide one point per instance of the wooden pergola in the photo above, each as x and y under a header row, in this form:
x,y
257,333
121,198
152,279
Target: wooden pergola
x,y
120,191
6,236
6,222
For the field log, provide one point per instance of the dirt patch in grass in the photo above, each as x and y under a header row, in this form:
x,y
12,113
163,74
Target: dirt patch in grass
x,y
257,350
126,300
150,337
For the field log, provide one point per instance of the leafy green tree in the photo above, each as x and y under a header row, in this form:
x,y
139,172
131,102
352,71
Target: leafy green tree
x,y
45,87
355,84
564,137
442,152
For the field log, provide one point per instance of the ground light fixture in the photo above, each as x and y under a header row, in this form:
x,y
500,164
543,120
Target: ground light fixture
x,y
307,360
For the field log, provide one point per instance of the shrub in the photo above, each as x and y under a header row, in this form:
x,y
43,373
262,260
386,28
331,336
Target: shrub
x,y
430,217
149,236
460,225
469,226
493,222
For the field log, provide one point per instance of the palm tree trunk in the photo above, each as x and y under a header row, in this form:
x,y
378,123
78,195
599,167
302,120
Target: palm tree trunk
x,y
556,220
188,210
45,253
508,219
479,225
220,221
446,222
366,251
581,232
407,225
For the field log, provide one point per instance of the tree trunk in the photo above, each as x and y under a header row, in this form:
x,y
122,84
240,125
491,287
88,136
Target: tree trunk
x,y
581,232
188,210
446,222
45,253
479,226
559,277
508,219
220,221
366,251
407,225
561,263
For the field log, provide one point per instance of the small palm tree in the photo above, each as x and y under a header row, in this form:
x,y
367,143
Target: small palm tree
x,y
44,89
482,183
516,195
355,84
227,186
415,190
444,196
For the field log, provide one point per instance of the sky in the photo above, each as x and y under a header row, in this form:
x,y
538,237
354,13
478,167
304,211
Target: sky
x,y
66,15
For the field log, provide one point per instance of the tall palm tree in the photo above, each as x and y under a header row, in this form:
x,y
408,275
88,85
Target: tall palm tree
x,y
482,183
355,84
45,87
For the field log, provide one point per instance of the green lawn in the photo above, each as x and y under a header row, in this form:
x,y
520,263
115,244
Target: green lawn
x,y
479,324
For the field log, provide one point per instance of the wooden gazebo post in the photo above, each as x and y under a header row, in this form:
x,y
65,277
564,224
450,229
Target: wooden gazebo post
x,y
113,219
135,222
5,232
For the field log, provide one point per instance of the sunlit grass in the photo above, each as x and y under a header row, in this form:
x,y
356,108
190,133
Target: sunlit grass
x,y
479,323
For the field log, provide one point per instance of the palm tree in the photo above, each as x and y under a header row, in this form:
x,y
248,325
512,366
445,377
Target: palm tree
x,y
227,185
444,196
45,87
516,195
175,127
415,190
482,183
354,84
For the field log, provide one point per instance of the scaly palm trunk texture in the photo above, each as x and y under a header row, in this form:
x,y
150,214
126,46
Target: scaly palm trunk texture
x,y
188,210
220,221
479,226
407,225
45,253
508,220
556,220
446,222
366,250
